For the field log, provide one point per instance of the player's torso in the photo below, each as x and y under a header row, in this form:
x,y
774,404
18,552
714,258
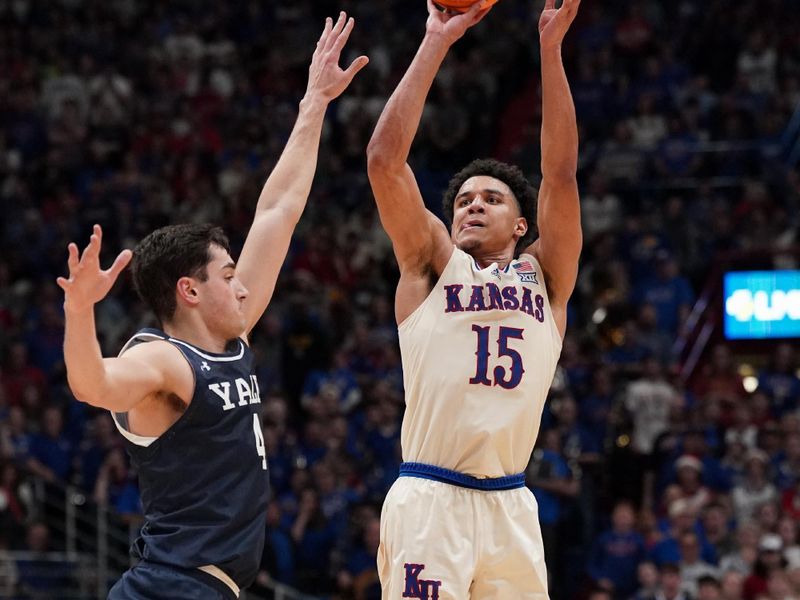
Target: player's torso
x,y
204,481
478,358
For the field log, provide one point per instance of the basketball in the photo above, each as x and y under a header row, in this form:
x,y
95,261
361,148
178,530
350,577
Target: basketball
x,y
462,5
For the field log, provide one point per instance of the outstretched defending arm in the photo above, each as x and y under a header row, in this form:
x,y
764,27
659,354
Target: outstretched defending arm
x,y
412,229
560,239
284,195
117,384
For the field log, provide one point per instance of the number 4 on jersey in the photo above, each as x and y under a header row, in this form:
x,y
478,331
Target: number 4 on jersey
x,y
499,372
260,447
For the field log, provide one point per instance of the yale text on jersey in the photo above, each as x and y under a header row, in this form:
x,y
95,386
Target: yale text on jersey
x,y
247,392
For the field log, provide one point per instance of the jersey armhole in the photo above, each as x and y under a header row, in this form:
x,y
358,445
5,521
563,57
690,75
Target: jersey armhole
x,y
411,319
121,418
558,341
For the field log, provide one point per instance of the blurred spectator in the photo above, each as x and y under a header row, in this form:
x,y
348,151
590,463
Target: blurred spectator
x,y
668,292
277,563
692,567
708,588
650,401
768,562
314,537
780,381
550,479
732,585
788,530
115,488
671,548
647,577
600,209
755,489
101,438
615,556
670,583
719,377
15,436
9,574
18,373
689,485
51,452
358,575
715,529
742,558
788,469
39,576
13,507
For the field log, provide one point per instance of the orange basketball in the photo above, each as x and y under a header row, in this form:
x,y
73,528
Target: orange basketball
x,y
462,5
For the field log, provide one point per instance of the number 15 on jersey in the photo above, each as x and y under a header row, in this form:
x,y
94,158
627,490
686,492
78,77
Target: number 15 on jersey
x,y
507,378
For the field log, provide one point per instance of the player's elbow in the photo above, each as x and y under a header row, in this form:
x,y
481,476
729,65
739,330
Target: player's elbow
x,y
380,161
91,393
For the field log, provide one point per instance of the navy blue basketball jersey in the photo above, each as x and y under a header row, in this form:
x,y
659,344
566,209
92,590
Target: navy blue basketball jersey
x,y
204,483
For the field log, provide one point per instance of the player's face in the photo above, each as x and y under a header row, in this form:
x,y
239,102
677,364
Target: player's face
x,y
486,216
223,295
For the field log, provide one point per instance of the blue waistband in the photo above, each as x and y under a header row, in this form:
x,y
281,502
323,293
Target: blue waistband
x,y
423,471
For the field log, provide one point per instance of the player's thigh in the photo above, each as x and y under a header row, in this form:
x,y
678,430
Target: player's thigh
x,y
146,581
512,563
426,549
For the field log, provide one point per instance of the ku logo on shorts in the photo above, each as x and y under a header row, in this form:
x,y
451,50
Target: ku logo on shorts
x,y
424,589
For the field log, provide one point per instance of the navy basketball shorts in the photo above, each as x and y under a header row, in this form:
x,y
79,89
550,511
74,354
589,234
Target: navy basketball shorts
x,y
156,581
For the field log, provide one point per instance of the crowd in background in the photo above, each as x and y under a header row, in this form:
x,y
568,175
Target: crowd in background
x,y
136,114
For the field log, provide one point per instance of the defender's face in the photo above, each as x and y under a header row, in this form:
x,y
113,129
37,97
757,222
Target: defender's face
x,y
223,295
486,216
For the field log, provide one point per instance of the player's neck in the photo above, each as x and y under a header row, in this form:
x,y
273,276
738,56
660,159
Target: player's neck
x,y
502,258
195,332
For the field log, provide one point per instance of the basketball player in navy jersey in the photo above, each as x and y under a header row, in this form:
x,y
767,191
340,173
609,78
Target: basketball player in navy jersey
x,y
481,313
185,396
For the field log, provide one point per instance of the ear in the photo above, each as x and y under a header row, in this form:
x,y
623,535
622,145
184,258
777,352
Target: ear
x,y
186,290
521,227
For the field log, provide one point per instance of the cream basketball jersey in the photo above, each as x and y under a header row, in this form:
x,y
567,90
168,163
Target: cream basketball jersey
x,y
479,356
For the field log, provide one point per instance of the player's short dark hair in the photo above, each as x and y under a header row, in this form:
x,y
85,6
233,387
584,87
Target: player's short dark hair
x,y
525,194
168,254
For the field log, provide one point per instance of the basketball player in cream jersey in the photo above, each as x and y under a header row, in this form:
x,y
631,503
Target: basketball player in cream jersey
x,y
481,313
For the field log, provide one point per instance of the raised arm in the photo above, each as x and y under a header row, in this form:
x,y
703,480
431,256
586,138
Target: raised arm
x,y
284,195
560,239
117,384
413,230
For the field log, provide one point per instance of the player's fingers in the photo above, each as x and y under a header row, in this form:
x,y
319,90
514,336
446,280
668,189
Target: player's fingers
x,y
337,29
355,67
62,283
473,10
92,251
72,258
120,263
344,36
549,4
98,232
482,13
326,31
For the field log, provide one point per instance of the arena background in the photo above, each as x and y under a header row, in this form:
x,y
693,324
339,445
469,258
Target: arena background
x,y
137,114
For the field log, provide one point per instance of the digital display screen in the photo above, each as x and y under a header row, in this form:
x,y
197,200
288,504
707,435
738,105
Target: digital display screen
x,y
762,304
